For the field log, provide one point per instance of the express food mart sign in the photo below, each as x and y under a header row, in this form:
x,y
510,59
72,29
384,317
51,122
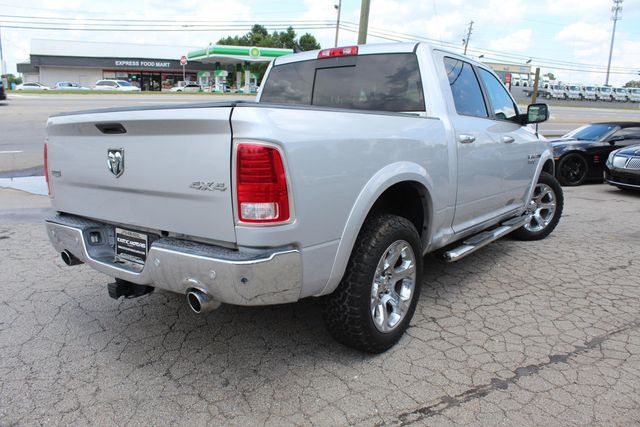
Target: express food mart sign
x,y
142,63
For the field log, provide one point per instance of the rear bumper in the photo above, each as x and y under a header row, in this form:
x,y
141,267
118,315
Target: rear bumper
x,y
240,277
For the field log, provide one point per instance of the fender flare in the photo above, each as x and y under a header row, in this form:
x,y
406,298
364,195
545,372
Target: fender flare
x,y
544,157
381,181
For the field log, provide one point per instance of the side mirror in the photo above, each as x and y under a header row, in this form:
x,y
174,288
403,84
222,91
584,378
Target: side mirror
x,y
537,113
615,139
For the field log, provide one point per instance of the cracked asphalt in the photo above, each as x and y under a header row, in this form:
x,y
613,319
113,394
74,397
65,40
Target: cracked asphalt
x,y
520,333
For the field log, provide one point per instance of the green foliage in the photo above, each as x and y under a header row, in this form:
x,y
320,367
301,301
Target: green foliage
x,y
632,83
13,79
260,37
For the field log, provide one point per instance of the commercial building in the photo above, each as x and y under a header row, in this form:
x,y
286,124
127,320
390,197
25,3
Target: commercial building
x,y
150,67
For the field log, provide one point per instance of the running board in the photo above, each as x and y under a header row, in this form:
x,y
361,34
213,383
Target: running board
x,y
483,238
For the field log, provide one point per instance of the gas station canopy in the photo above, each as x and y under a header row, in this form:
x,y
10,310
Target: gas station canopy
x,y
230,55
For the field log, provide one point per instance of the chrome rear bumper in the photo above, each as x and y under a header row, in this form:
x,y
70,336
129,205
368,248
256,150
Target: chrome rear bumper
x,y
241,277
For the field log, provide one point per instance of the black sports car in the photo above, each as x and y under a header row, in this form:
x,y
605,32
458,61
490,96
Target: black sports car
x,y
623,168
581,154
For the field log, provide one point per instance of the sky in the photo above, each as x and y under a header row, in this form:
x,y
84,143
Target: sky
x,y
567,37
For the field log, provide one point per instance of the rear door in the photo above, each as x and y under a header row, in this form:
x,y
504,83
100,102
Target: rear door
x,y
161,169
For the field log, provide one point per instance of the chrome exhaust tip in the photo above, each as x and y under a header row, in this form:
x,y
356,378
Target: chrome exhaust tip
x,y
69,258
201,302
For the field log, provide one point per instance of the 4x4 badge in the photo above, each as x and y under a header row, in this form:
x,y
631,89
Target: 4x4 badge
x,y
115,161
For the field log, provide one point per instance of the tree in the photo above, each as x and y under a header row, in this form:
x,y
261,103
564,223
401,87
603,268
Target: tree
x,y
308,42
632,83
260,37
13,79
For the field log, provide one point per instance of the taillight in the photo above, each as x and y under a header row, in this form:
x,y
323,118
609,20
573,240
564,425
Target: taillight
x,y
261,184
46,168
338,51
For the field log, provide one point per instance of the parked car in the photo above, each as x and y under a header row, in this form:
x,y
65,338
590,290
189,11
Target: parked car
x,y
119,85
31,86
69,86
556,91
620,94
605,93
634,94
573,92
623,168
339,194
581,154
189,87
3,95
589,93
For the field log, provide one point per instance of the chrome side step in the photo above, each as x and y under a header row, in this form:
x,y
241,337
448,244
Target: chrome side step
x,y
483,238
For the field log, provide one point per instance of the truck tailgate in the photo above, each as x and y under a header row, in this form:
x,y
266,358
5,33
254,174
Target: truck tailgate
x,y
176,172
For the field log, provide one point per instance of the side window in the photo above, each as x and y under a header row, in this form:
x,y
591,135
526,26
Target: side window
x,y
631,135
465,88
503,106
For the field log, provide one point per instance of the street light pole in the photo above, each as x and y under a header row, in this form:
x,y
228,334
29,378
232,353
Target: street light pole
x,y
339,8
3,70
615,9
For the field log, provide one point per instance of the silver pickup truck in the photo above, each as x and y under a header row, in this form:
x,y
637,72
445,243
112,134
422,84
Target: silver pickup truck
x,y
353,164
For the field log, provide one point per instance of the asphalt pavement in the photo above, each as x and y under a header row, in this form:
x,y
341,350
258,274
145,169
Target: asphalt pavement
x,y
23,118
519,333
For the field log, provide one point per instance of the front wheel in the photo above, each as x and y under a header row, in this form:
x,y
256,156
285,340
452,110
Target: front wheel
x,y
544,209
374,303
572,169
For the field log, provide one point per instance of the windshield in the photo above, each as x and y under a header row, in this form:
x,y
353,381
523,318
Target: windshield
x,y
619,90
573,87
605,89
590,132
634,91
123,83
590,88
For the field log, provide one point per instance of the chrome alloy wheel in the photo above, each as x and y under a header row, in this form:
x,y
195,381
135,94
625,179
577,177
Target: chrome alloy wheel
x,y
542,207
393,285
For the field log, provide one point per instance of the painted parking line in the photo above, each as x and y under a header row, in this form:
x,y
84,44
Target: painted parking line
x,y
11,152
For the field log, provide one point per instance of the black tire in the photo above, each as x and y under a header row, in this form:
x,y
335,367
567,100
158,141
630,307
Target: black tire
x,y
348,310
528,232
573,169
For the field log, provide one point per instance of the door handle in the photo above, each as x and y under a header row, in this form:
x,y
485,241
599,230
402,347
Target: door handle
x,y
466,139
507,139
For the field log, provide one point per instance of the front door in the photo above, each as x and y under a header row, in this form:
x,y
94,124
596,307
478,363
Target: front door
x,y
520,147
479,197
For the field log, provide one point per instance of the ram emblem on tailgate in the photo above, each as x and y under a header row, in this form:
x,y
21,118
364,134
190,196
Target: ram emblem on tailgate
x,y
115,161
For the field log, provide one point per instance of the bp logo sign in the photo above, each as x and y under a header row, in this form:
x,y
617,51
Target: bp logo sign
x,y
254,52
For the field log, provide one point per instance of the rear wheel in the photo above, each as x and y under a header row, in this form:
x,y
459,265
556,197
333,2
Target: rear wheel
x,y
572,169
374,303
545,209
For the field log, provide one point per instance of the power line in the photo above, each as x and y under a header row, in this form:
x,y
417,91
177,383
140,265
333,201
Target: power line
x,y
397,36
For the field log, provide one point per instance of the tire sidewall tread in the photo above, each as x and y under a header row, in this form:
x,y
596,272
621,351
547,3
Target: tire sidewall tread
x,y
347,311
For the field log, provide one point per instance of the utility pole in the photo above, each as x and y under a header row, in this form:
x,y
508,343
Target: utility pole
x,y
364,22
536,82
615,9
339,9
466,40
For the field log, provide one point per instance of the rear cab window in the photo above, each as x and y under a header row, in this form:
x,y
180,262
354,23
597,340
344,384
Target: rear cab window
x,y
376,82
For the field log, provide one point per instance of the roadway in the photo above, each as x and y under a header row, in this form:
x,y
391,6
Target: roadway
x,y
23,119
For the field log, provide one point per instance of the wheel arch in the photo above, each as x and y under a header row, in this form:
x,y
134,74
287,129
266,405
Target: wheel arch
x,y
381,194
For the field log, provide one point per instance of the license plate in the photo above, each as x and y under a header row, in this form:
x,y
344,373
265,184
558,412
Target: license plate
x,y
131,246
